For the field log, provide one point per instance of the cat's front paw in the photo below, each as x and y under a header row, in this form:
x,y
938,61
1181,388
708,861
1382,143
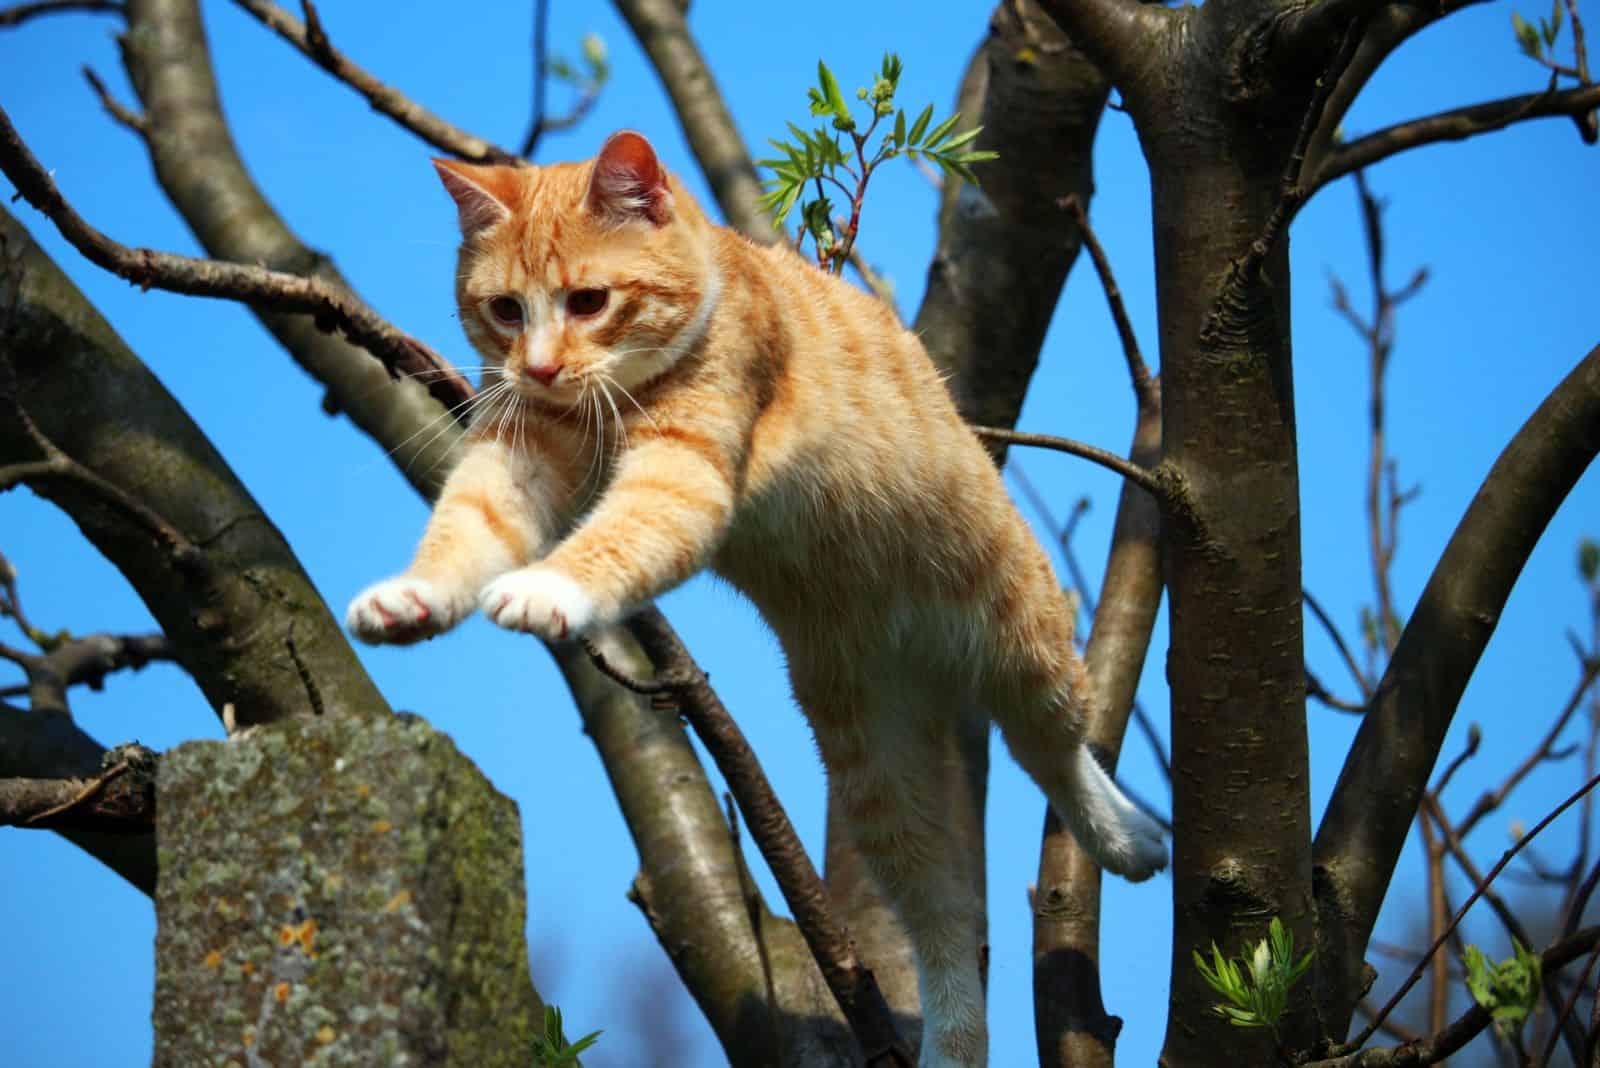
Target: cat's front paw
x,y
540,601
403,610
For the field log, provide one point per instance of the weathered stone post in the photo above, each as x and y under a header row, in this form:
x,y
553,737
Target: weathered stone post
x,y
338,891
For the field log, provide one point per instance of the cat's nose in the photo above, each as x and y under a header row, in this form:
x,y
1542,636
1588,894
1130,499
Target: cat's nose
x,y
544,374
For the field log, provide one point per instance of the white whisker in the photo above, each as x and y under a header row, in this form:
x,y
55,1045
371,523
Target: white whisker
x,y
622,431
631,400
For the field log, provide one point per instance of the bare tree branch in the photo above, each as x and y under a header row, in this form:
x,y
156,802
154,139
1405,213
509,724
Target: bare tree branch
x,y
115,108
541,59
1138,370
850,980
1387,29
199,168
1146,479
120,799
1073,1026
664,35
333,308
1466,1027
1360,840
103,411
1116,34
1456,125
311,40
16,16
1479,890
89,659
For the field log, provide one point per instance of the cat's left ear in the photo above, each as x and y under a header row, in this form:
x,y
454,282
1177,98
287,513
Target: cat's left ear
x,y
628,181
483,195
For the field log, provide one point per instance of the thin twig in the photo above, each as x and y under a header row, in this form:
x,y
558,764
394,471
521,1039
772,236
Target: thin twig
x,y
16,16
1345,654
312,41
1559,1027
1465,1027
541,32
332,307
1142,477
1138,370
847,977
1493,799
1478,891
114,107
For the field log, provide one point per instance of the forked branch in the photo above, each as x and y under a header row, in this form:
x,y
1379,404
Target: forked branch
x,y
311,40
333,308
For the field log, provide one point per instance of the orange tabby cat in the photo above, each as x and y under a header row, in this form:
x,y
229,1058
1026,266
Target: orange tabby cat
x,y
672,397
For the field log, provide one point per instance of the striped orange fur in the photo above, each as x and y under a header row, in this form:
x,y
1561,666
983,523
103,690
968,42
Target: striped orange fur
x,y
673,398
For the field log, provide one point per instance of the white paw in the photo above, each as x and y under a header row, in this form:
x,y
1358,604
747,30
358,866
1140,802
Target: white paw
x,y
539,601
402,610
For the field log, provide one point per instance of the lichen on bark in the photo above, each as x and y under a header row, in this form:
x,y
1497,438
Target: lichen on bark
x,y
339,892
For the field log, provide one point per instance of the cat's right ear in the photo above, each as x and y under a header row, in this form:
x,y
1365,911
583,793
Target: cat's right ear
x,y
483,195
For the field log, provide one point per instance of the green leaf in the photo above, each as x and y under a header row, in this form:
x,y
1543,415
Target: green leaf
x,y
1508,990
917,128
1527,36
899,135
961,138
594,54
1588,560
941,131
834,98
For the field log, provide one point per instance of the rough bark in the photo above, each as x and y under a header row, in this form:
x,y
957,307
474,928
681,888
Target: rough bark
x,y
1071,1021
1004,251
339,892
1218,146
232,621
47,744
199,169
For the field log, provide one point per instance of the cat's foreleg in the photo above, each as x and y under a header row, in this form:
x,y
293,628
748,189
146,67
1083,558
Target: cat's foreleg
x,y
664,514
494,514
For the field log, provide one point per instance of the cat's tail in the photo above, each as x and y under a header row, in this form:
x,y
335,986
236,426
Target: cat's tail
x,y
1120,838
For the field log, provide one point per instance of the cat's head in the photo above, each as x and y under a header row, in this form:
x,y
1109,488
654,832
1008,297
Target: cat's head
x,y
578,276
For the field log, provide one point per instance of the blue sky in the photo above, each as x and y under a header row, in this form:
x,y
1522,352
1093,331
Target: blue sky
x,y
1506,223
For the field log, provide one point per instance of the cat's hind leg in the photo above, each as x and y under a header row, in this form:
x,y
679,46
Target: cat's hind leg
x,y
889,753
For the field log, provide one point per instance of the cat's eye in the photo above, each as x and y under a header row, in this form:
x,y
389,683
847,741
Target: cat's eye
x,y
506,311
586,301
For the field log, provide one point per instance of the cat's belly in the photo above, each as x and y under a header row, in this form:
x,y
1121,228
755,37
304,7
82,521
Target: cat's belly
x,y
849,596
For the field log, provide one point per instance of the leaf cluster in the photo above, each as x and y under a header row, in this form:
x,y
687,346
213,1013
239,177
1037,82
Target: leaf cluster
x,y
591,72
1509,990
1533,42
841,148
552,1050
1257,990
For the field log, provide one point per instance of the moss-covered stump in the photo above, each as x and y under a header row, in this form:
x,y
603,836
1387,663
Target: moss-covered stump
x,y
335,892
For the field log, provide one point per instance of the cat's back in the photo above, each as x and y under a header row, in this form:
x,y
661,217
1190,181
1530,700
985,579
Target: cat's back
x,y
863,483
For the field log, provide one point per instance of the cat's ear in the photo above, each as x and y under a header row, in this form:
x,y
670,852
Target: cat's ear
x,y
629,182
483,195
